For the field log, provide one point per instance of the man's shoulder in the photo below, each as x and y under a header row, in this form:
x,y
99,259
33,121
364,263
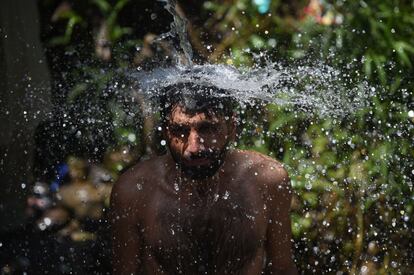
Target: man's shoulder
x,y
129,185
259,161
143,169
268,170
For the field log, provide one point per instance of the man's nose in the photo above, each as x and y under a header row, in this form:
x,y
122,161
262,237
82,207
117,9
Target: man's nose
x,y
195,143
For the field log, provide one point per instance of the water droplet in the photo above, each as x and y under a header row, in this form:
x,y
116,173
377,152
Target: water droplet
x,y
132,137
226,195
163,142
216,197
47,221
42,226
364,269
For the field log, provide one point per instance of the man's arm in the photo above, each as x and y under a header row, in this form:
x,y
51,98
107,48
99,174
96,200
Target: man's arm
x,y
126,258
279,232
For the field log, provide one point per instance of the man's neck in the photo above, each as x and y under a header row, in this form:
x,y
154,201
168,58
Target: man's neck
x,y
203,186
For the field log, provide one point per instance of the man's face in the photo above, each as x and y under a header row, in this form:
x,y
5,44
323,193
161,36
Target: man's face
x,y
197,141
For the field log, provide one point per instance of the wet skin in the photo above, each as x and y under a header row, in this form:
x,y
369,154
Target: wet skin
x,y
235,220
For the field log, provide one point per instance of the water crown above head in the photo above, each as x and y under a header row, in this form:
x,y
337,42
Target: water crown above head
x,y
313,88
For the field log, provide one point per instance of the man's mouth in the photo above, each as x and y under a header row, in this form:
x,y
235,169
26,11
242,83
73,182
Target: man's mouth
x,y
197,162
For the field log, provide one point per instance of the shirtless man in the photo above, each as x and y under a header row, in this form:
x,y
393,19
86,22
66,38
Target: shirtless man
x,y
202,208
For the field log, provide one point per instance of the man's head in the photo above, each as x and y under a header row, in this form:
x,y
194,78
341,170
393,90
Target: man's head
x,y
198,125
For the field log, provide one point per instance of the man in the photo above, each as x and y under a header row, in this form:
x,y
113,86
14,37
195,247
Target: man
x,y
202,208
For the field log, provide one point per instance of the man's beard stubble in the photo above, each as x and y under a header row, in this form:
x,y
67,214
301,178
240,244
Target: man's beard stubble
x,y
198,172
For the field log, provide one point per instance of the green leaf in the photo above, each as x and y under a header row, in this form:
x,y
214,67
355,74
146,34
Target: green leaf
x,y
59,40
73,20
379,61
367,65
103,5
257,41
115,11
402,48
77,91
118,32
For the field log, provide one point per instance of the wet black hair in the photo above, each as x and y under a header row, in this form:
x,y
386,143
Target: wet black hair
x,y
195,98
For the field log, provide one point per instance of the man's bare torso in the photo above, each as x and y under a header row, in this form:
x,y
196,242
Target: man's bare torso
x,y
177,226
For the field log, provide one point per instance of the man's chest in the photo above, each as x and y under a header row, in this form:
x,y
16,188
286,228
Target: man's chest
x,y
219,232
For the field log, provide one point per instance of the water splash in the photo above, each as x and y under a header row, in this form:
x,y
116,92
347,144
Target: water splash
x,y
317,88
179,30
313,87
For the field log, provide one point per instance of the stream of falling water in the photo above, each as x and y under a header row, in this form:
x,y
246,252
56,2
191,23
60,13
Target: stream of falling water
x,y
179,29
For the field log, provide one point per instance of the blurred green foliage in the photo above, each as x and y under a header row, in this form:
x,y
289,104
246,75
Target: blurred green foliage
x,y
90,48
352,178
